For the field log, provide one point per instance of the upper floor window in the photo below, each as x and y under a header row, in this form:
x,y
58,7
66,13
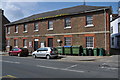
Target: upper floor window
x,y
8,30
36,26
25,28
68,41
50,25
118,27
89,20
90,42
16,29
68,22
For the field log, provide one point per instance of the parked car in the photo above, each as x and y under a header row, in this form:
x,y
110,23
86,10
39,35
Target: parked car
x,y
19,52
48,52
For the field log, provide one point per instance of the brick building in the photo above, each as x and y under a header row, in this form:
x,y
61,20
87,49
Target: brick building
x,y
3,20
88,26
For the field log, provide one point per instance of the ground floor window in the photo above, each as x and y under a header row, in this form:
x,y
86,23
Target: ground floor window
x,y
15,42
24,43
89,42
8,42
113,41
68,41
118,41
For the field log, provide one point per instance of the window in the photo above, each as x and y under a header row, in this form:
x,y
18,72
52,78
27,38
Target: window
x,y
50,25
8,42
15,42
25,28
24,43
67,22
16,29
113,41
8,30
36,26
118,41
118,27
89,42
89,20
111,29
67,41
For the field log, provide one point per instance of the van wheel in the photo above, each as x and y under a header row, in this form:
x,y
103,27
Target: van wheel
x,y
19,55
47,57
34,56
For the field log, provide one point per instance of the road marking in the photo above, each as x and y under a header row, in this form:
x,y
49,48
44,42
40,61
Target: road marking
x,y
71,66
108,68
8,76
60,69
10,62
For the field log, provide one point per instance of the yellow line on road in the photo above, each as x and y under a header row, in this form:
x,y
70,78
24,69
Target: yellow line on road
x,y
8,76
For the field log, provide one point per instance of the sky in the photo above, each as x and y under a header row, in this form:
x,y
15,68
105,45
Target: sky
x,y
18,10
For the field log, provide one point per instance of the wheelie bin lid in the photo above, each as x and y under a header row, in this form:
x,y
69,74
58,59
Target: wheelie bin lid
x,y
67,46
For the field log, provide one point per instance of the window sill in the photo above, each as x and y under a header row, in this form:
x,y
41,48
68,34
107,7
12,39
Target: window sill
x,y
69,27
51,29
8,33
90,47
35,30
90,25
16,32
25,47
24,31
16,46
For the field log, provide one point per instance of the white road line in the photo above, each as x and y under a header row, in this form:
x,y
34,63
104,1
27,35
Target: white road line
x,y
10,62
60,69
71,66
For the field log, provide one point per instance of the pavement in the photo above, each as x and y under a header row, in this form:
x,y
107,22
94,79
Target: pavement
x,y
107,61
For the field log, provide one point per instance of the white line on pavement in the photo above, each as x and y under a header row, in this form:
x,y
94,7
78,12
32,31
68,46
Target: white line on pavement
x,y
60,69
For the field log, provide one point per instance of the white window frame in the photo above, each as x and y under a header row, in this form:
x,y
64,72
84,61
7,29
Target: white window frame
x,y
66,41
36,24
89,18
15,42
16,29
25,28
89,43
8,30
25,43
67,23
8,43
50,25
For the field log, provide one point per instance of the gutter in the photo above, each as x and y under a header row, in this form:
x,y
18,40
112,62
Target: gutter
x,y
105,28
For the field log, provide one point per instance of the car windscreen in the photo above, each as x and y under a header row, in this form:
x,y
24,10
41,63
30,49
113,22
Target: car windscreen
x,y
15,49
42,49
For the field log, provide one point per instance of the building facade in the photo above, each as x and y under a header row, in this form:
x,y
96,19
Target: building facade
x,y
3,20
115,32
88,26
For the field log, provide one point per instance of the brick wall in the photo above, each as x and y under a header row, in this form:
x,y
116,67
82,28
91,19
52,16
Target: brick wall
x,y
77,30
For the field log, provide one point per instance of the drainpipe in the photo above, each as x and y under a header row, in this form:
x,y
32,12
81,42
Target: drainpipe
x,y
105,27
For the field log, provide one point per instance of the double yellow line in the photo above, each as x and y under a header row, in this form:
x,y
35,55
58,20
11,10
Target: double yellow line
x,y
8,76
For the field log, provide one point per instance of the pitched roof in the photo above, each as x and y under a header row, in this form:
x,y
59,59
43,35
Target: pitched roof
x,y
60,12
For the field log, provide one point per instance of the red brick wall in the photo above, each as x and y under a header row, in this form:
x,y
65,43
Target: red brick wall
x,y
78,23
